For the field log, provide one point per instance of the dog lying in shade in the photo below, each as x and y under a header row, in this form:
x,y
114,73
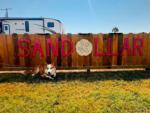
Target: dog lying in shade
x,y
45,71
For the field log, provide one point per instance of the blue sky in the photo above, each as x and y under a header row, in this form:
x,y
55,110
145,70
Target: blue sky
x,y
84,16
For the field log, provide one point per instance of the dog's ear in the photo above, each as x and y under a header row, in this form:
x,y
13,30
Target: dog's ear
x,y
53,65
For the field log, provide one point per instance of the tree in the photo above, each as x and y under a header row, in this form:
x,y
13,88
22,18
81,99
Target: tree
x,y
115,30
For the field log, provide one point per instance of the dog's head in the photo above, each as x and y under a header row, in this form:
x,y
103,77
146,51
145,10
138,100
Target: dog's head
x,y
50,69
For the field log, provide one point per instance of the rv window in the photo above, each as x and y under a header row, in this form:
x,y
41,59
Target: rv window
x,y
27,26
50,24
6,27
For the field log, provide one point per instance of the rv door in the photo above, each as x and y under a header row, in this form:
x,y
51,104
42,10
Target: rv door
x,y
0,27
6,29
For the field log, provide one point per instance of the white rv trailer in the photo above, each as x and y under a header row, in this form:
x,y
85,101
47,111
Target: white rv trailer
x,y
30,25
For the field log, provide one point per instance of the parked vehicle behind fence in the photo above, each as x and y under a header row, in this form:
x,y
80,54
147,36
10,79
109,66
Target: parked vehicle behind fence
x,y
10,25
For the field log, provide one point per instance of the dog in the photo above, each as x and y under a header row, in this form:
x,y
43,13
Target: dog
x,y
45,71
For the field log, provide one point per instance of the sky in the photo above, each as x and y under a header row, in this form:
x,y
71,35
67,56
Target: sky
x,y
86,16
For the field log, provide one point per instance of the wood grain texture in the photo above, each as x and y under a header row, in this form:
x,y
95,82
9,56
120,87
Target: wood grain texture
x,y
9,51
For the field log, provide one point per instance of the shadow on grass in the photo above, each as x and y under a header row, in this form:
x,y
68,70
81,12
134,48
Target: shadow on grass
x,y
89,77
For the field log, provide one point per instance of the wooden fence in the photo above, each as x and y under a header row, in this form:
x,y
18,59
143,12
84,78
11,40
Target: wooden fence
x,y
75,51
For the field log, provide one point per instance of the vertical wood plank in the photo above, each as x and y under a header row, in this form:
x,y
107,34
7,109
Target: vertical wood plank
x,y
115,49
9,45
66,47
80,58
120,44
21,51
148,49
4,60
16,50
74,54
54,39
59,62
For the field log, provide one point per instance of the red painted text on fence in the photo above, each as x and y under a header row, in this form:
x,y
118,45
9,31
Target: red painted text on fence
x,y
66,47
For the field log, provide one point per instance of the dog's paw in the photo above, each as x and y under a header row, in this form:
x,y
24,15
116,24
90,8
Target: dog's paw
x,y
32,75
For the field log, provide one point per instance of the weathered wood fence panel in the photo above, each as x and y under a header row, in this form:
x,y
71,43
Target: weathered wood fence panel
x,y
75,51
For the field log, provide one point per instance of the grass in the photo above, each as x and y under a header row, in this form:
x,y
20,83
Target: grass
x,y
116,92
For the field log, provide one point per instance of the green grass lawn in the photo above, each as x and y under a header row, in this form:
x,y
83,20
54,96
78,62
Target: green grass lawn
x,y
117,92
